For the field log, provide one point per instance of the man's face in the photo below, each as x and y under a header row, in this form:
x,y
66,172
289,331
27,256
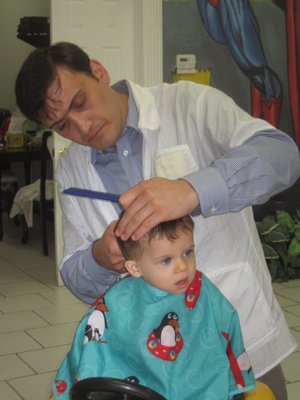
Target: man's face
x,y
85,109
168,265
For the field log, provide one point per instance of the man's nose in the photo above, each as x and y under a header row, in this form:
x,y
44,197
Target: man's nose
x,y
83,124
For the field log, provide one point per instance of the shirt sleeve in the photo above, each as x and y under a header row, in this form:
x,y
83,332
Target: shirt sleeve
x,y
250,174
86,279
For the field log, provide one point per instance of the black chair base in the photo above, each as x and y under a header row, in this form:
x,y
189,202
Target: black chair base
x,y
111,389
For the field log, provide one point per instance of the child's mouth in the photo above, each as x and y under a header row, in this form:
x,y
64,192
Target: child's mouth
x,y
182,283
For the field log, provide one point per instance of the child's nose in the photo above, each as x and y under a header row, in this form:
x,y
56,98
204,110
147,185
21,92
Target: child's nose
x,y
181,265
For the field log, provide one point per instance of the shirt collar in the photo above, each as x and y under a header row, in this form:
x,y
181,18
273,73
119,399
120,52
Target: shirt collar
x,y
132,117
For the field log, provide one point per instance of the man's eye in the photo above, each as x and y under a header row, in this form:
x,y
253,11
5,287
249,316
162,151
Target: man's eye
x,y
80,104
61,127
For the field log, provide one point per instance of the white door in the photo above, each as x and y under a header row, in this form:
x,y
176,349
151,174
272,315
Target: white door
x,y
125,35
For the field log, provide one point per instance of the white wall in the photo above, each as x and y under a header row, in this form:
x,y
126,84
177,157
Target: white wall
x,y
13,51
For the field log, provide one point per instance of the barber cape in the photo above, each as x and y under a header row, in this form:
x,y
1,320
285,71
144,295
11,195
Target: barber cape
x,y
183,346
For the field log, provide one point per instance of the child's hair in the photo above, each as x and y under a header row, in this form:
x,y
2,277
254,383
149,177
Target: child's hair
x,y
132,249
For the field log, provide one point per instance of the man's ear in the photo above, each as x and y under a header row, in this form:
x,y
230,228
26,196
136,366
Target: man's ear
x,y
133,268
99,71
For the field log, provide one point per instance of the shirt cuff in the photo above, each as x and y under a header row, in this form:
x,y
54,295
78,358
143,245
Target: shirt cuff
x,y
108,277
212,191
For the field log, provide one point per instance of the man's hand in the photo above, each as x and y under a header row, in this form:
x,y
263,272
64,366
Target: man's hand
x,y
153,201
106,250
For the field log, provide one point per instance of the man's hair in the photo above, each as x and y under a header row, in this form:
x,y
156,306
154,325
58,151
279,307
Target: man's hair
x,y
132,249
39,71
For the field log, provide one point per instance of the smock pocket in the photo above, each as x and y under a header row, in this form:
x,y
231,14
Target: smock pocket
x,y
240,286
174,162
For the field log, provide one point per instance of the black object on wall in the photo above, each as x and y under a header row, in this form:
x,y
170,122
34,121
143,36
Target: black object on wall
x,y
35,31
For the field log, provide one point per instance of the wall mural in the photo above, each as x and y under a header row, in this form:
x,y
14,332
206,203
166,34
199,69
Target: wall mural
x,y
234,24
292,15
257,45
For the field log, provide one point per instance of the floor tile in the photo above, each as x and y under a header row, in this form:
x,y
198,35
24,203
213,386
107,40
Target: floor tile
x,y
20,321
12,367
43,274
296,328
292,320
52,336
15,277
45,360
296,335
23,303
60,296
62,314
14,342
293,391
291,367
292,293
27,258
7,266
34,261
292,283
295,309
283,301
279,286
36,387
17,289
7,393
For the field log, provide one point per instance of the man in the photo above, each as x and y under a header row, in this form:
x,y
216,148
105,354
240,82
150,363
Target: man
x,y
170,150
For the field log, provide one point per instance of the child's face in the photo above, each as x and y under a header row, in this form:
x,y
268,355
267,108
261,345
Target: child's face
x,y
168,265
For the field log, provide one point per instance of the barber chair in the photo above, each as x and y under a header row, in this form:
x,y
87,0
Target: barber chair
x,y
117,389
112,389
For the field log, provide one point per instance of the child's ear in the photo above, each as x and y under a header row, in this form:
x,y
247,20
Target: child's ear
x,y
133,268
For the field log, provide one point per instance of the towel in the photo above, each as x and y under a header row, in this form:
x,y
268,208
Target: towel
x,y
23,201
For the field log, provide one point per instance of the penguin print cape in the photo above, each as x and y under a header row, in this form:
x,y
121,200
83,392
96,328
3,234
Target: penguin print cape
x,y
184,346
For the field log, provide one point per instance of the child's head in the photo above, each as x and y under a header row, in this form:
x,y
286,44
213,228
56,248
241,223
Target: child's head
x,y
165,256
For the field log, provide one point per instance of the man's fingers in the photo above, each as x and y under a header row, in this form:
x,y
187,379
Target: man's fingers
x,y
134,215
119,267
146,226
153,201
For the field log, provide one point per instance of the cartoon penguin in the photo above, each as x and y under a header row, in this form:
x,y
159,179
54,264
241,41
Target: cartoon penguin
x,y
165,341
96,323
166,331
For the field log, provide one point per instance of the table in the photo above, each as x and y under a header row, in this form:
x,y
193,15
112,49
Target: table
x,y
25,155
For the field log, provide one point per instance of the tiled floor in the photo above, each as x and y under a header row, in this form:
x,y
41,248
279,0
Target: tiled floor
x,y
37,319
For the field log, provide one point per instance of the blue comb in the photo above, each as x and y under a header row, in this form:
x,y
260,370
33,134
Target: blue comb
x,y
92,194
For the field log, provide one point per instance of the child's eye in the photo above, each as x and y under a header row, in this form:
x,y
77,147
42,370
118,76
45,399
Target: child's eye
x,y
166,261
188,252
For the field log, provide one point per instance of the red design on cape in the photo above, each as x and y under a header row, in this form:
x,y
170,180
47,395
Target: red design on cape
x,y
61,386
164,352
214,3
237,373
193,291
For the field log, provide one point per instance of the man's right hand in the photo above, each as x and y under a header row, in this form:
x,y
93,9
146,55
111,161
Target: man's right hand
x,y
106,250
